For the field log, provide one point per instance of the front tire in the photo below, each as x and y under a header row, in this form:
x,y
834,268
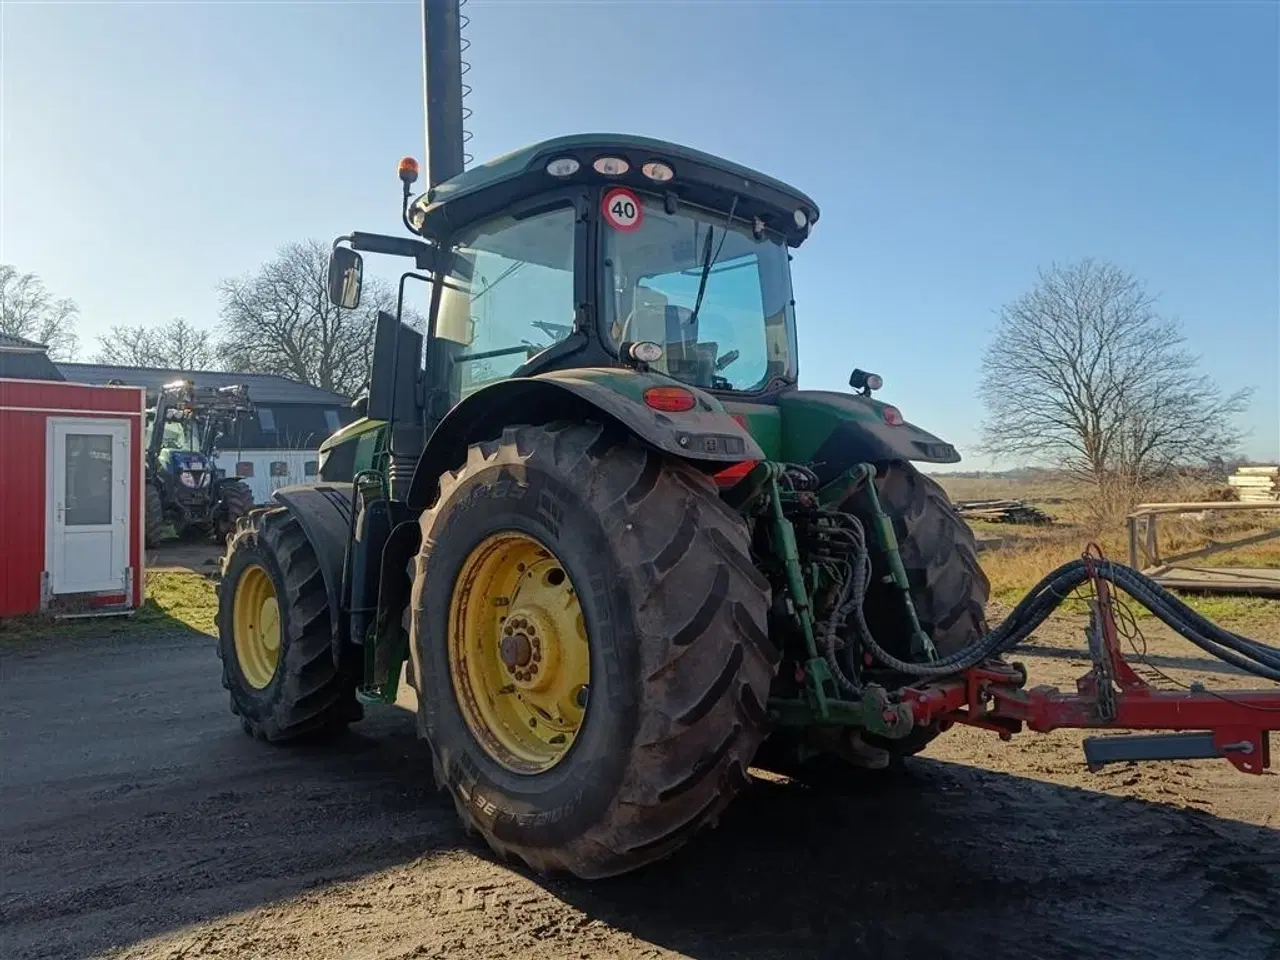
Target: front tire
x,y
274,633
673,621
153,518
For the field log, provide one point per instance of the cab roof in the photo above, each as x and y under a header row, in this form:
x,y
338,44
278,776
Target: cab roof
x,y
699,178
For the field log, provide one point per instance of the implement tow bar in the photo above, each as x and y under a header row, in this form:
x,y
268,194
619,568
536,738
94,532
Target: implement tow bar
x,y
1202,723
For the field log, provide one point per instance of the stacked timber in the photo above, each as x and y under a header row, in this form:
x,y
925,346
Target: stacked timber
x,y
1002,511
1256,484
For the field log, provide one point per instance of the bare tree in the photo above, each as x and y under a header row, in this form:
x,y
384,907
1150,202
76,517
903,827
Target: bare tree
x,y
27,310
178,345
280,320
1084,373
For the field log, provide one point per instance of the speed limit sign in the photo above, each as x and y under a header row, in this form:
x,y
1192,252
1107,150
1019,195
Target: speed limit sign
x,y
622,210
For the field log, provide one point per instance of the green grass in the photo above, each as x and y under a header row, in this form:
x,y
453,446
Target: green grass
x,y
184,598
174,601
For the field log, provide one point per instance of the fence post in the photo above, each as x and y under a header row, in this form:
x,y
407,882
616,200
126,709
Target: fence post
x,y
1132,521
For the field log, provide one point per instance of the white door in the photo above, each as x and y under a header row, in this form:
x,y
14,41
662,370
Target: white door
x,y
88,505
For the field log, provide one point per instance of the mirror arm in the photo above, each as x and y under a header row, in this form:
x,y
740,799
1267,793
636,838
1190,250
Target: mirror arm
x,y
414,249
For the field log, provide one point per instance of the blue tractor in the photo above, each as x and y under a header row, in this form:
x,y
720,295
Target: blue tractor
x,y
185,488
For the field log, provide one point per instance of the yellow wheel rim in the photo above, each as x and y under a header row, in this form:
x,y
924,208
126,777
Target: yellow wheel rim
x,y
518,652
256,621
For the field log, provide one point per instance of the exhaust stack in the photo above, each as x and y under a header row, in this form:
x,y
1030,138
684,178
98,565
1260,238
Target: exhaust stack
x,y
442,88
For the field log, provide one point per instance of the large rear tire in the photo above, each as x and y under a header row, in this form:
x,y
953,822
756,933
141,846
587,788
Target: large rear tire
x,y
948,588
274,633
949,592
673,621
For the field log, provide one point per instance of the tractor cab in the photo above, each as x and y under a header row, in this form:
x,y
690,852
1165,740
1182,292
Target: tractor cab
x,y
571,252
590,252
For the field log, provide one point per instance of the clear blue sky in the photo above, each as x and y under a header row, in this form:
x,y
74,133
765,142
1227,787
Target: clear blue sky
x,y
151,149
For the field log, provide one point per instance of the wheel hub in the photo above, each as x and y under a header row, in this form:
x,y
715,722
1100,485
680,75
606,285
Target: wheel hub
x,y
256,626
518,652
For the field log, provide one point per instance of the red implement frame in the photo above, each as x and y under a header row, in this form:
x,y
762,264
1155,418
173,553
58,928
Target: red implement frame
x,y
1234,724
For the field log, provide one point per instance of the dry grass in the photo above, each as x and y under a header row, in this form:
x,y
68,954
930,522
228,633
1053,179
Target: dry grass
x,y
1027,553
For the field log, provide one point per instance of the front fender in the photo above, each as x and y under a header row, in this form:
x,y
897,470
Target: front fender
x,y
706,434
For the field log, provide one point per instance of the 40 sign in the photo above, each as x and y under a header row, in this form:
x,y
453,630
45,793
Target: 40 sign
x,y
622,210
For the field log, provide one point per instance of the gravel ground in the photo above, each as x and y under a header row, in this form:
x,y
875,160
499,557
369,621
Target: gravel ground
x,y
137,821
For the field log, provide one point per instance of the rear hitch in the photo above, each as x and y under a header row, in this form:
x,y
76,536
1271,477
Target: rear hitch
x,y
1231,724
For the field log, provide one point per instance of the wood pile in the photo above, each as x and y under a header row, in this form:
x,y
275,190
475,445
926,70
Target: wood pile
x,y
1256,484
1002,511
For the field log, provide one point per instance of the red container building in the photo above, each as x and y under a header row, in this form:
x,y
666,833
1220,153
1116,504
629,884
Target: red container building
x,y
71,490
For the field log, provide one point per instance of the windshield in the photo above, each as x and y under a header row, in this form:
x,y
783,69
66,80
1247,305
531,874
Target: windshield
x,y
178,435
739,335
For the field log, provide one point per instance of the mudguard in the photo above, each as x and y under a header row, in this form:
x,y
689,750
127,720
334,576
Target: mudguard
x,y
324,513
707,434
833,431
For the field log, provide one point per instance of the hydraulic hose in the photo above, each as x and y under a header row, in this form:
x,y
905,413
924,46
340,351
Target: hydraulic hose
x,y
1047,595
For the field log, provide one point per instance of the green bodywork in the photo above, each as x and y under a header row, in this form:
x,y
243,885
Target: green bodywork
x,y
778,429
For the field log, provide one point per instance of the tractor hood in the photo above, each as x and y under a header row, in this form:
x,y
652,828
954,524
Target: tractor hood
x,y
178,460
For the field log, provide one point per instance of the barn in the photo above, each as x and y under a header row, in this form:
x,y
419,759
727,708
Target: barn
x,y
72,488
273,447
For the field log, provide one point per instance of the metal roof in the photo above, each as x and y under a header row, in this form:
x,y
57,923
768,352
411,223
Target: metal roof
x,y
25,364
9,341
264,388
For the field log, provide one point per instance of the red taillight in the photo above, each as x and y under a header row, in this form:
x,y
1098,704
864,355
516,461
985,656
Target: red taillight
x,y
669,399
892,416
730,476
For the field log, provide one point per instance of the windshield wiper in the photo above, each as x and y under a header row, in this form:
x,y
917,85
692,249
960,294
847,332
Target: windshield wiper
x,y
708,261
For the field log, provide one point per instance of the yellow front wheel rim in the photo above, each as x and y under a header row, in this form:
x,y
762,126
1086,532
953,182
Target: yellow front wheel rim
x,y
519,657
256,621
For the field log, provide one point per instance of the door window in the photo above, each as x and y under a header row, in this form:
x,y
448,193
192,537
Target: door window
x,y
510,295
88,479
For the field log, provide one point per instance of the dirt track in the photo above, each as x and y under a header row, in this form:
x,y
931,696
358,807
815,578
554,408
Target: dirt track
x,y
137,821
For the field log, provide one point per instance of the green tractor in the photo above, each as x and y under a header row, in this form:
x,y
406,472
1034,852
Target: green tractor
x,y
590,517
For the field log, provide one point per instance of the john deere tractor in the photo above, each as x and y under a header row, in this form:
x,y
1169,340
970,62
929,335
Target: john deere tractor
x,y
185,489
588,513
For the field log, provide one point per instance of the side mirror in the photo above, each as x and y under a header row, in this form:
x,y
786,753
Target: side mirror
x,y
360,406
346,270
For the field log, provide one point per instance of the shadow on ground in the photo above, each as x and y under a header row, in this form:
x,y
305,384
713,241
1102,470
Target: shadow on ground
x,y
953,861
133,806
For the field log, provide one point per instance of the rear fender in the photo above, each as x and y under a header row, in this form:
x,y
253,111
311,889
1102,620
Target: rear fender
x,y
707,435
324,513
834,431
